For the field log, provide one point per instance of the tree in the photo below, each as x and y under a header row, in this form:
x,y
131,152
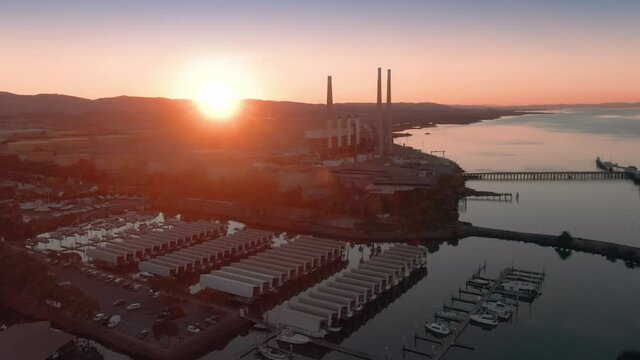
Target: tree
x,y
565,238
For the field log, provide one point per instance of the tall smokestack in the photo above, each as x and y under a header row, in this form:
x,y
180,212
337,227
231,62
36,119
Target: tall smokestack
x,y
349,130
329,98
389,134
357,131
329,112
339,132
380,130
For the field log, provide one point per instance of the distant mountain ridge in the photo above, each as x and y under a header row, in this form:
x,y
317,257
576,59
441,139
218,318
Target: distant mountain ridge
x,y
145,111
609,105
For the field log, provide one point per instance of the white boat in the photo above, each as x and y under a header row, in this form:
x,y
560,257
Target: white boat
x,y
484,319
438,328
501,311
520,287
478,282
449,314
260,326
273,354
291,337
502,299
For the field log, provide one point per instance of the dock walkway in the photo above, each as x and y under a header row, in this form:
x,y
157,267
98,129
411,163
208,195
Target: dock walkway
x,y
345,350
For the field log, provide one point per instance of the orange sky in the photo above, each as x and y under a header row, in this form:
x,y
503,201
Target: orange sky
x,y
454,54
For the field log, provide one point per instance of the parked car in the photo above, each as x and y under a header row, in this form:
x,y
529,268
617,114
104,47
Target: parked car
x,y
136,287
97,317
142,334
113,321
64,283
118,281
162,315
155,294
119,302
193,329
213,319
109,278
134,306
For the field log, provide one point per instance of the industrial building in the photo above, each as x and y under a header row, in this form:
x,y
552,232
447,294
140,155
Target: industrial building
x,y
322,308
209,253
266,272
347,133
135,249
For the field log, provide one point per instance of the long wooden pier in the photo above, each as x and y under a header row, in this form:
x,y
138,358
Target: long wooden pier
x,y
547,175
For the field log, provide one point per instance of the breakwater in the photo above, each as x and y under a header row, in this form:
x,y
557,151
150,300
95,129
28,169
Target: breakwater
x,y
607,249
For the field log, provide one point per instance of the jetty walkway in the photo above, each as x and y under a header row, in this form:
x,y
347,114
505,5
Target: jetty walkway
x,y
547,175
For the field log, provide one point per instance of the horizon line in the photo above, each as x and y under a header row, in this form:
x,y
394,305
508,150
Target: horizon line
x,y
344,102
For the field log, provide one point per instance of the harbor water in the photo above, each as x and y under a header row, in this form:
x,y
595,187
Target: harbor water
x,y
589,304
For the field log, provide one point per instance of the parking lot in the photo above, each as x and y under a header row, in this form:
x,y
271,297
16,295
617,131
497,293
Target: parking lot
x,y
133,322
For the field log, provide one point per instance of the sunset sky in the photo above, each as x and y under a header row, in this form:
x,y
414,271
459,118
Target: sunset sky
x,y
452,52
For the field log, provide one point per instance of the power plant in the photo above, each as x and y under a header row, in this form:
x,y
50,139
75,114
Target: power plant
x,y
344,133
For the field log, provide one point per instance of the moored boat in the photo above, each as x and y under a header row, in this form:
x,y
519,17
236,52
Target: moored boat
x,y
292,337
503,299
438,328
449,314
520,287
479,282
497,309
484,319
273,353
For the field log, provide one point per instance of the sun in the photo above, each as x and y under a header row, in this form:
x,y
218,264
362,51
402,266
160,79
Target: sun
x,y
218,101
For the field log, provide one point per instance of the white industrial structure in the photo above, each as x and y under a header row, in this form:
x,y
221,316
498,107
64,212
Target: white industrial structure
x,y
133,250
208,253
348,131
321,308
267,271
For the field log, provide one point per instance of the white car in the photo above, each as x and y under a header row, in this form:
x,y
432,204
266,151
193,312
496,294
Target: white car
x,y
193,329
98,317
113,321
134,306
212,319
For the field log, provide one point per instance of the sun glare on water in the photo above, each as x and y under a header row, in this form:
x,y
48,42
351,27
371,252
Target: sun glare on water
x,y
218,101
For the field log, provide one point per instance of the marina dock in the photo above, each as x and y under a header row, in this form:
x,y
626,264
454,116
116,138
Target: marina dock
x,y
444,344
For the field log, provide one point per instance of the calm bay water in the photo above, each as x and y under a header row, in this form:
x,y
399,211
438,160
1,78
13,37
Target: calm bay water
x,y
589,307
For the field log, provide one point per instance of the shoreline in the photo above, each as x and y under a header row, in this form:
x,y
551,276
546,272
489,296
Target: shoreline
x,y
418,125
443,233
